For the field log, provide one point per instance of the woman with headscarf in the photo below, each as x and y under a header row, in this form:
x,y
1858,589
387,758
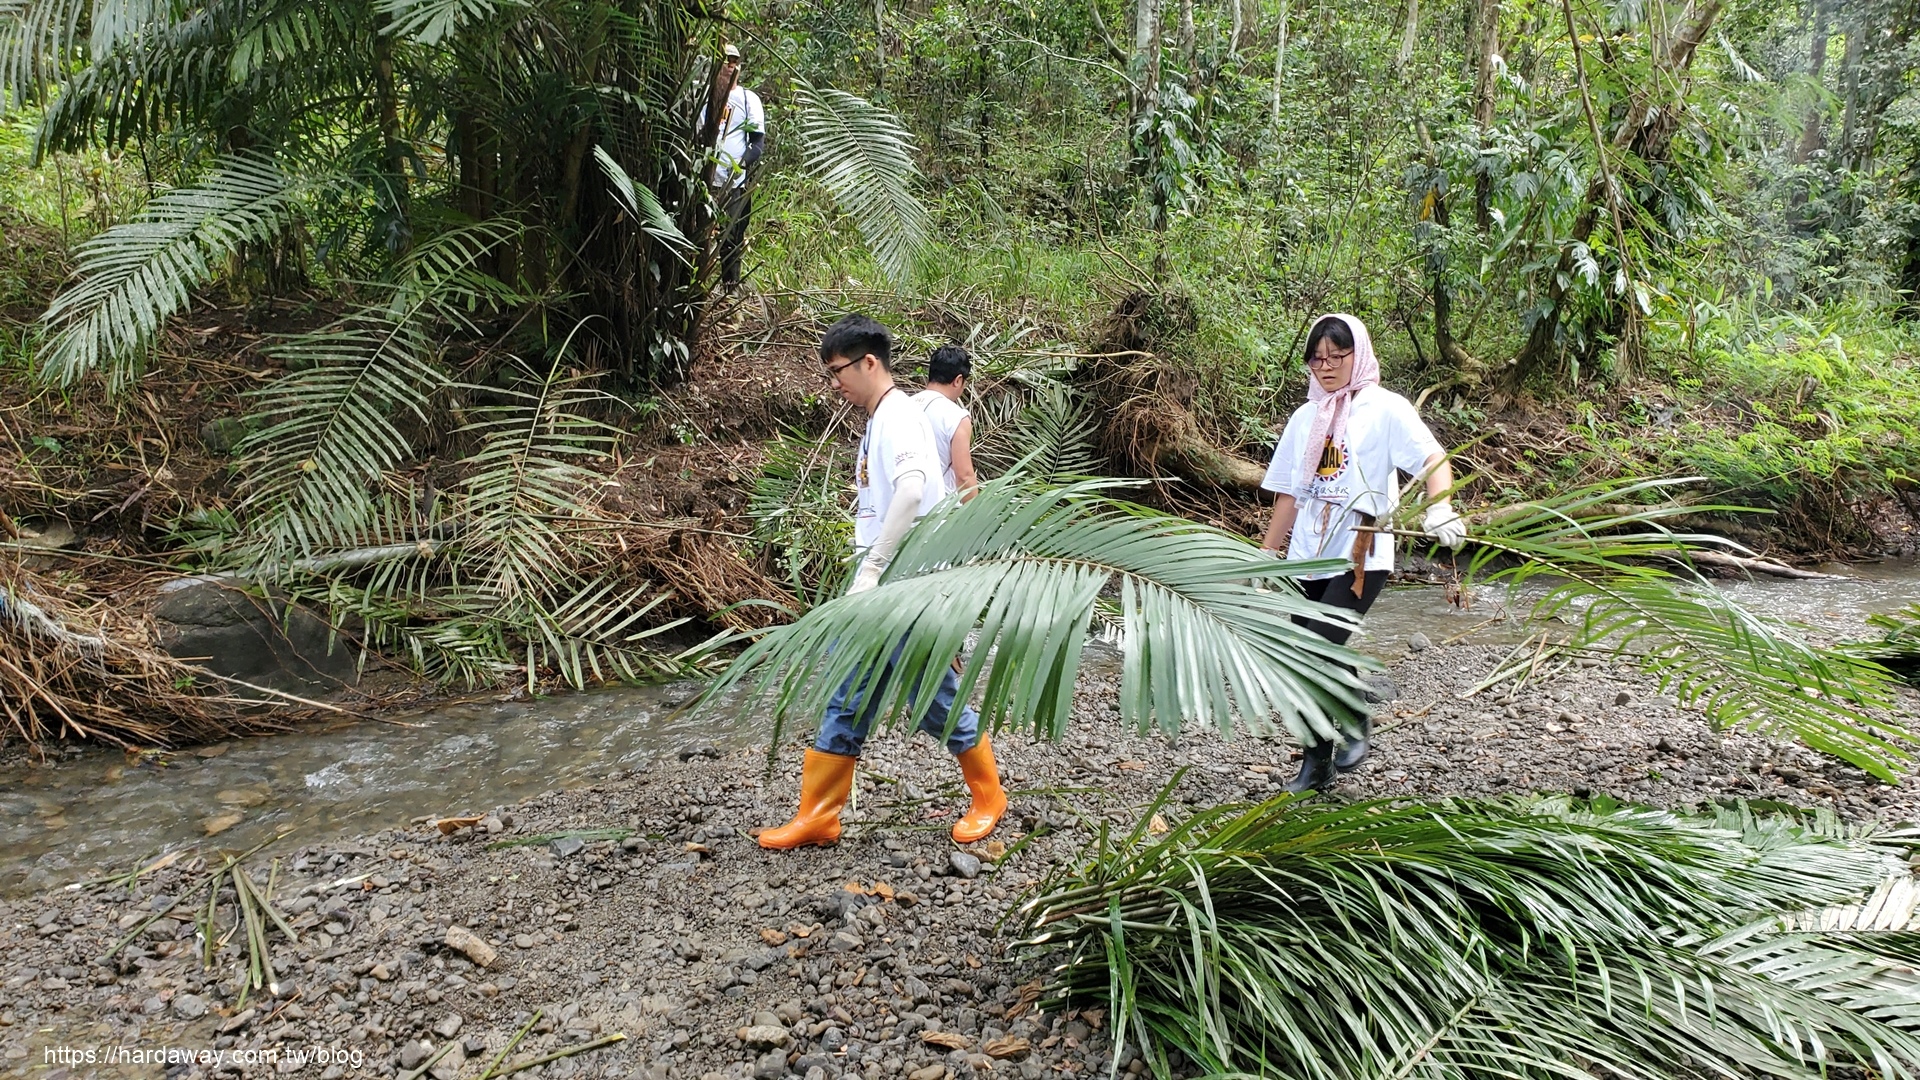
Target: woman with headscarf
x,y
1334,474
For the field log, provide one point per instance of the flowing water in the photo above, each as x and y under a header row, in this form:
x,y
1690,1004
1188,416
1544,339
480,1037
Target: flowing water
x,y
83,816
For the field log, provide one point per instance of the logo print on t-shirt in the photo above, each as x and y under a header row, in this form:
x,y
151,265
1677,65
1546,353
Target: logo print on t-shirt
x,y
1332,460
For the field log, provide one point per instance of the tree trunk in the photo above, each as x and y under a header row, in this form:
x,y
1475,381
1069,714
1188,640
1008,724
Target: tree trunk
x,y
387,106
1884,77
1244,14
1857,32
1813,133
1909,279
1431,228
1408,39
1146,59
1485,54
1279,70
1646,132
1187,44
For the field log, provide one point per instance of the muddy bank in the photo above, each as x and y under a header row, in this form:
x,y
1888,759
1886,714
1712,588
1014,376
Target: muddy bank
x,y
713,957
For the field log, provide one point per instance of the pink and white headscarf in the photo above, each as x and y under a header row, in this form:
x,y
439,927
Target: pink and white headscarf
x,y
1330,418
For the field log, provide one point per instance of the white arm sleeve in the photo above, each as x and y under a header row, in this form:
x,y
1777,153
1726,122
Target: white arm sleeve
x,y
901,513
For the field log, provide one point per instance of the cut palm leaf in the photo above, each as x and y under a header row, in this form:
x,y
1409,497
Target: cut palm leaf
x,y
1203,620
1602,560
1539,938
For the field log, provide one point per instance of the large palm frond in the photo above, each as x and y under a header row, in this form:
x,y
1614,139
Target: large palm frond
x,y
34,36
333,426
431,22
132,277
1537,938
529,479
864,157
1624,582
1050,438
1203,619
494,580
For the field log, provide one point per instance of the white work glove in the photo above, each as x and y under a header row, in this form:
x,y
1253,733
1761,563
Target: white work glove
x,y
866,577
1449,528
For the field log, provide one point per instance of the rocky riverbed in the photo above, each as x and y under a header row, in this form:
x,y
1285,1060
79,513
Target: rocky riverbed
x,y
665,924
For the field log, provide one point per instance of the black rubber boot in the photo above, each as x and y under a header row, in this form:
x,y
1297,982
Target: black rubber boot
x,y
1316,769
1354,751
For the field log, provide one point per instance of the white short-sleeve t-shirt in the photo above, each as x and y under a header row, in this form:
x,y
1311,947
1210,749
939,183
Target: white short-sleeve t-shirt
x,y
743,116
945,415
1385,436
898,440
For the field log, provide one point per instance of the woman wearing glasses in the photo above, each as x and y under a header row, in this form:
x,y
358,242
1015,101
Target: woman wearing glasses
x,y
1334,474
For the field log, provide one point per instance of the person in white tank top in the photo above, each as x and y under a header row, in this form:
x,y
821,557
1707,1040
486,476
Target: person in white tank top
x,y
947,372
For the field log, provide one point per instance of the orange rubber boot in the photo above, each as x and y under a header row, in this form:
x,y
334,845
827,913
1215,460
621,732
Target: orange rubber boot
x,y
825,781
989,798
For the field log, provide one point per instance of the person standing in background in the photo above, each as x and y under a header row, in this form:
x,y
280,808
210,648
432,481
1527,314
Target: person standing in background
x,y
741,141
947,372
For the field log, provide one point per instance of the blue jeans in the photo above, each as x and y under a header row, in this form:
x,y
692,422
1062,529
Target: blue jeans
x,y
847,722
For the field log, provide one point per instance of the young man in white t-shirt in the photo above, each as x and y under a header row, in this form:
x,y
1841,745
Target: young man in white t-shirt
x,y
947,372
899,480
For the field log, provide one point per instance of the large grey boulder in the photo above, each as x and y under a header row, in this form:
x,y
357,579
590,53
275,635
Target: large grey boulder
x,y
216,623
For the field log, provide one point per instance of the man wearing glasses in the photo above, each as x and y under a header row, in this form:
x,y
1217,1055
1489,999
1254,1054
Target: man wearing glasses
x,y
742,139
899,478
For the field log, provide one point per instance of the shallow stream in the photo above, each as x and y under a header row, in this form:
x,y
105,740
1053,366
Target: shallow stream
x,y
83,816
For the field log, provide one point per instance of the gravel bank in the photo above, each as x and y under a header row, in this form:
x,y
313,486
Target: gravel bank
x,y
878,958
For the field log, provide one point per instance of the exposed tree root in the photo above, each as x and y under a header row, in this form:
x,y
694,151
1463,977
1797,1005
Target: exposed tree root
x,y
69,673
1145,395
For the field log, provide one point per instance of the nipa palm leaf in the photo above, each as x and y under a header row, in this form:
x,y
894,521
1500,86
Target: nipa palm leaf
x,y
1204,621
863,156
1471,940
